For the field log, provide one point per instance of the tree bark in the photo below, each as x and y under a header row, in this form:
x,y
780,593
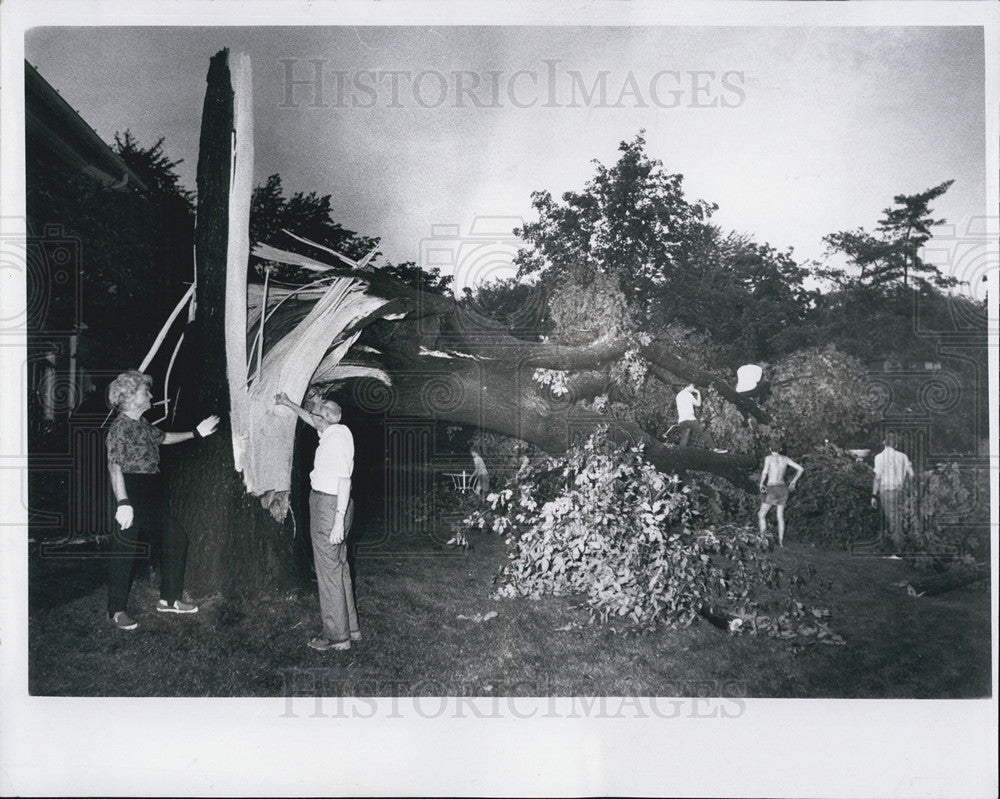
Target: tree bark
x,y
235,547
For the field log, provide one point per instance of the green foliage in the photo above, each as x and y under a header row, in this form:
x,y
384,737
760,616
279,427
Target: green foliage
x,y
602,523
584,311
945,514
750,297
424,279
717,502
134,250
633,225
819,395
651,405
892,254
869,255
831,505
631,222
639,396
153,166
520,306
726,423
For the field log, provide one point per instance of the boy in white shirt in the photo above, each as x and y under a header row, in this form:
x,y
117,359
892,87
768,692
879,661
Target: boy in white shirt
x,y
687,399
331,512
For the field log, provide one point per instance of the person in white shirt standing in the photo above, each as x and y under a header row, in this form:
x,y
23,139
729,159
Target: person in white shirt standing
x,y
893,473
331,512
689,398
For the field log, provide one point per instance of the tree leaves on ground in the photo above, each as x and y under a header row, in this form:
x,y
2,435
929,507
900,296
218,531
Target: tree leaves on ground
x,y
602,523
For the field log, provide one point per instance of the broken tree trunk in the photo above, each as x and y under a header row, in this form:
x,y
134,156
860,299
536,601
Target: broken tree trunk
x,y
436,358
235,547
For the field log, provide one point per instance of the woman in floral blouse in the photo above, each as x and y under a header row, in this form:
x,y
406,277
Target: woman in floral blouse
x,y
134,465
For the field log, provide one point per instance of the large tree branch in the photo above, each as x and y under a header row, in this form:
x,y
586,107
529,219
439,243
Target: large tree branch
x,y
659,357
658,354
503,399
449,362
574,359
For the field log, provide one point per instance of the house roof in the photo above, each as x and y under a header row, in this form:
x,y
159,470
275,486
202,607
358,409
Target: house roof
x,y
51,122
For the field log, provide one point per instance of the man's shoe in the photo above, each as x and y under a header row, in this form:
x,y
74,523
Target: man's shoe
x,y
177,606
720,451
123,621
356,635
323,644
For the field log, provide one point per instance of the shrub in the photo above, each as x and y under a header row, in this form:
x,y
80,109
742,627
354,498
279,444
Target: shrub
x,y
820,394
730,428
603,523
945,515
831,504
717,501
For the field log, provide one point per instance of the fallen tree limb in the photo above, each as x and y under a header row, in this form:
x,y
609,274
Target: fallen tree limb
x,y
723,621
957,576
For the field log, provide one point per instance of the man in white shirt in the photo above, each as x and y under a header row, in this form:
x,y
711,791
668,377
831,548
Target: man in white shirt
x,y
331,512
893,472
689,398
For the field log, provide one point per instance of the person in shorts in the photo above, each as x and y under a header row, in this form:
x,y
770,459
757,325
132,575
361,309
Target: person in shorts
x,y
772,475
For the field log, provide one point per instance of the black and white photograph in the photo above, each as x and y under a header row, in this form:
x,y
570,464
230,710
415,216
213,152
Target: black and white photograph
x,y
524,398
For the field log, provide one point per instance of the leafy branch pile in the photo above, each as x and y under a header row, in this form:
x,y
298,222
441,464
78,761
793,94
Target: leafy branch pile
x,y
602,523
831,505
938,511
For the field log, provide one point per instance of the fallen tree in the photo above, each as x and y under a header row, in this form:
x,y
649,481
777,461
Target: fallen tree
x,y
447,362
403,352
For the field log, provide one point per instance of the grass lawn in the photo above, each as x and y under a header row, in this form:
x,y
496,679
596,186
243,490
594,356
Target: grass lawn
x,y
415,643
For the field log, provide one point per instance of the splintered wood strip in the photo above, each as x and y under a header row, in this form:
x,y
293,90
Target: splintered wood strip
x,y
158,341
238,253
269,253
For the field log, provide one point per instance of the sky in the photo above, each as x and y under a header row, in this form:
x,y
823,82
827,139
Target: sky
x,y
433,138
